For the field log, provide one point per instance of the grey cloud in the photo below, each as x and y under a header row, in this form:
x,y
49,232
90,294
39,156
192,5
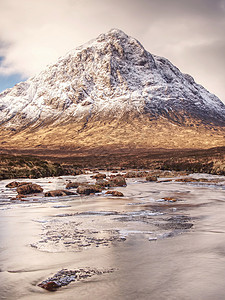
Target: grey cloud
x,y
210,65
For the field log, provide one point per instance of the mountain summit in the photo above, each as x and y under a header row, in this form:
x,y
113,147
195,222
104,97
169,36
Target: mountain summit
x,y
111,92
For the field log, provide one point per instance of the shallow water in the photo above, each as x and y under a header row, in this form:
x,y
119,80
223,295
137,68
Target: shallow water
x,y
150,244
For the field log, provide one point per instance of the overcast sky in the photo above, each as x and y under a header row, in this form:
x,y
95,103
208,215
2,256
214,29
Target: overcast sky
x,y
190,33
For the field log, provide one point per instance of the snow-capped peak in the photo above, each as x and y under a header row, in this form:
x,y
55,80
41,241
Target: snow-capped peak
x,y
109,76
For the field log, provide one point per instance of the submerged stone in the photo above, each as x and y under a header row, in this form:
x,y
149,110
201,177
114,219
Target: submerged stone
x,y
58,193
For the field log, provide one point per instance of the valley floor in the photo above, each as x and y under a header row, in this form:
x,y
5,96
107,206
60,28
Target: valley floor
x,y
32,163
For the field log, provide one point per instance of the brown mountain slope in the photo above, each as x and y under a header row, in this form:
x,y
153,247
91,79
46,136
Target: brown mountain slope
x,y
115,135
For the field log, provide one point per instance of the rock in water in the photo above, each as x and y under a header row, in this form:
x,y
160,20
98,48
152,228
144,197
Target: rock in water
x,y
115,193
103,183
74,185
65,277
117,181
15,184
99,176
151,178
58,193
50,286
88,189
30,188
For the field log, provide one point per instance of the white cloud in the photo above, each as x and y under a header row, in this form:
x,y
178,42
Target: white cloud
x,y
37,32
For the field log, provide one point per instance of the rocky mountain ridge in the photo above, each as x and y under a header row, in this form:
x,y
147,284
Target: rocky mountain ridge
x,y
111,91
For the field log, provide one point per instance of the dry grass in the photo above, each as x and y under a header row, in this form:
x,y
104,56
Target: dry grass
x,y
125,143
138,133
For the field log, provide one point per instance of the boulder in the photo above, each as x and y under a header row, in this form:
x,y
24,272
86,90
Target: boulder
x,y
102,182
57,193
115,193
130,174
15,184
134,174
117,181
74,185
142,173
151,178
88,189
29,188
99,176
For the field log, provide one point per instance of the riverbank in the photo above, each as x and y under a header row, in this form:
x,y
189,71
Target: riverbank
x,y
44,163
23,166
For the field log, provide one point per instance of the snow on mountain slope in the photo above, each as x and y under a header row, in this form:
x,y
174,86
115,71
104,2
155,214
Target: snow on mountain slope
x,y
108,77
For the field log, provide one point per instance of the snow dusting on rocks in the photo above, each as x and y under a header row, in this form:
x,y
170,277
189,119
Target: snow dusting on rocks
x,y
108,76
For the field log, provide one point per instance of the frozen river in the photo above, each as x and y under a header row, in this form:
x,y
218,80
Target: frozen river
x,y
145,246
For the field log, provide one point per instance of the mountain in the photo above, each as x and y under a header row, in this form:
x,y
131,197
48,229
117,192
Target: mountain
x,y
110,93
